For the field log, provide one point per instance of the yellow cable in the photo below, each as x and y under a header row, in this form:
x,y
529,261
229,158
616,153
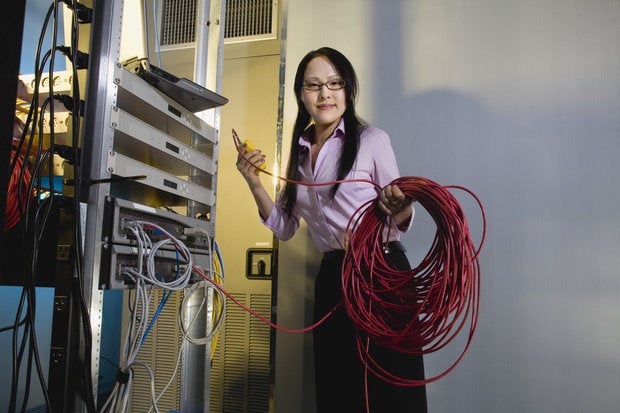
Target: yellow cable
x,y
217,271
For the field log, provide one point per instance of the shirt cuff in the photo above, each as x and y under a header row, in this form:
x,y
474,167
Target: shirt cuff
x,y
408,223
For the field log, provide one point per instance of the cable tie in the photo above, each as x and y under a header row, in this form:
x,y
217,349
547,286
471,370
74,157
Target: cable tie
x,y
122,377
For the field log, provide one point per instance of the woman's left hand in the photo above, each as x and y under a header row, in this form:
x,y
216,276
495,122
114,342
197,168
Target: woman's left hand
x,y
393,202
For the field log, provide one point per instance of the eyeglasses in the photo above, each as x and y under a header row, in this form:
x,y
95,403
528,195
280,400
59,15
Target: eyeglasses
x,y
316,86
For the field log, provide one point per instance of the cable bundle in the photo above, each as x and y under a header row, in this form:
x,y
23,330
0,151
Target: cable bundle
x,y
199,302
418,311
17,194
148,251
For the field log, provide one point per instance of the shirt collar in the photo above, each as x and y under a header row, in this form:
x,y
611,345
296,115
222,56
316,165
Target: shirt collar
x,y
304,141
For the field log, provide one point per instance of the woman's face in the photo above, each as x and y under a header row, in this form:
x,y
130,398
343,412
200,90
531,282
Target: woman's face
x,y
325,106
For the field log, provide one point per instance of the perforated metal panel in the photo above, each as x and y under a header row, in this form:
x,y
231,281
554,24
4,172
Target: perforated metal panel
x,y
240,380
159,351
248,20
245,20
178,22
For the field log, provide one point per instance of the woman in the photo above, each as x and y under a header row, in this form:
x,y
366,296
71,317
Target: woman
x,y
330,143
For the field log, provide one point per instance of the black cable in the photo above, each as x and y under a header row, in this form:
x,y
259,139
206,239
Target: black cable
x,y
69,102
32,230
32,340
77,57
23,226
35,214
83,13
33,113
79,290
15,354
12,326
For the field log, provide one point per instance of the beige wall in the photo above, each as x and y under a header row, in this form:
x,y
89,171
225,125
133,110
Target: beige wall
x,y
250,80
251,85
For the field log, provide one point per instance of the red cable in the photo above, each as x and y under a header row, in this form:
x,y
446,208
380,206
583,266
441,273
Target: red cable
x,y
16,196
255,314
418,311
239,144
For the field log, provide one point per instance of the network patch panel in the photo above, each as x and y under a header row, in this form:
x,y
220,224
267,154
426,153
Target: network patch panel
x,y
117,212
120,259
120,247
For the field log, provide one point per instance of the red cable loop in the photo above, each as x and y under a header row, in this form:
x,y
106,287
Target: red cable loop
x,y
418,311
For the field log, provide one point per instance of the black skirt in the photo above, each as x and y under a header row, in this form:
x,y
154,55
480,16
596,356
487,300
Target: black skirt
x,y
339,372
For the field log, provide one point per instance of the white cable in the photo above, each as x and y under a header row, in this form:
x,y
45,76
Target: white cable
x,y
152,381
118,399
144,277
172,376
183,314
147,251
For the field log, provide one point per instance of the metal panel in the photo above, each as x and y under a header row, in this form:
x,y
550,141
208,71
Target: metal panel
x,y
245,21
178,22
155,178
165,365
104,52
147,143
140,99
240,379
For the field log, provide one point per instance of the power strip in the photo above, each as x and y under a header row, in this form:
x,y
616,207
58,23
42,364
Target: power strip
x,y
62,82
61,121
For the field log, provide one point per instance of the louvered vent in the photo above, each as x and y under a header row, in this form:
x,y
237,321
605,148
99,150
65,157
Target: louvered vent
x,y
240,378
159,351
258,360
178,22
249,20
246,20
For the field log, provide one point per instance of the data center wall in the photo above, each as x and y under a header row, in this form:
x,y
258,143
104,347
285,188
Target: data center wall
x,y
518,101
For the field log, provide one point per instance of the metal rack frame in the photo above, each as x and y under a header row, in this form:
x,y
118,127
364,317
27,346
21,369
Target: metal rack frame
x,y
107,131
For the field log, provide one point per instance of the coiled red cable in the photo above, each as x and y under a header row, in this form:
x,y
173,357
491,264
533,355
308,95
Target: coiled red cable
x,y
418,311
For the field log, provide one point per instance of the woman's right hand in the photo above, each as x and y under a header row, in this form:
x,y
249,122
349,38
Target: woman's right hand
x,y
249,165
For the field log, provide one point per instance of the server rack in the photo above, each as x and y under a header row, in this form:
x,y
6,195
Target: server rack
x,y
142,150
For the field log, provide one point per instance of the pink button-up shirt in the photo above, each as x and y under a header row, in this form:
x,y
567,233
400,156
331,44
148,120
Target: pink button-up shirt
x,y
327,218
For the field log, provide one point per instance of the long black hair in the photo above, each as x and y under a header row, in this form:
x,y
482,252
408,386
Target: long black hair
x,y
352,123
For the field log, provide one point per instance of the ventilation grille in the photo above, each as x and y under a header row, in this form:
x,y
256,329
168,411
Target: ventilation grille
x,y
240,379
249,20
258,360
178,22
161,359
246,20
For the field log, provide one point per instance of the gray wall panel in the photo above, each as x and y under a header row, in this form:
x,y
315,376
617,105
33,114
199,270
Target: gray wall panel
x,y
518,101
